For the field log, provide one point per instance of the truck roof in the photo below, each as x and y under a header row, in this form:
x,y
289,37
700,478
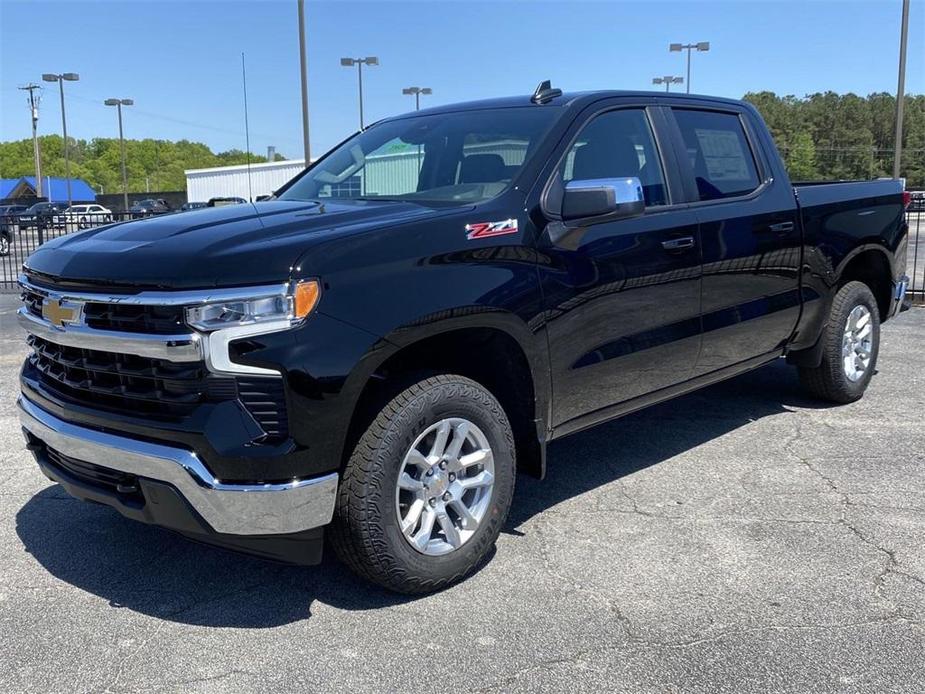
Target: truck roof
x,y
567,99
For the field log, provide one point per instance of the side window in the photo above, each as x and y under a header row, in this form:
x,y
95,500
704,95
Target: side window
x,y
719,153
618,144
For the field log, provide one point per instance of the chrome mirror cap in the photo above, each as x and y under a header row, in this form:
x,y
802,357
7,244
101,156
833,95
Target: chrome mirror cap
x,y
598,197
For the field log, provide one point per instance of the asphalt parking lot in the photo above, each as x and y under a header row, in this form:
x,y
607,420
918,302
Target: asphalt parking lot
x,y
740,539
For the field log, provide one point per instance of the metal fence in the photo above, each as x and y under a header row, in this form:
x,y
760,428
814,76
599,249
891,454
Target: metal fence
x,y
19,238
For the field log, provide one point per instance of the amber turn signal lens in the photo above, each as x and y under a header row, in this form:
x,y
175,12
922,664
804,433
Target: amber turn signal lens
x,y
307,293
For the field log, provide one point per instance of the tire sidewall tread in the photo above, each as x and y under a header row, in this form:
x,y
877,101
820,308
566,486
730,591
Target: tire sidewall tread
x,y
365,532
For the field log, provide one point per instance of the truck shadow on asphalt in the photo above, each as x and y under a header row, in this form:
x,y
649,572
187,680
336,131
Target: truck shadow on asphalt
x,y
154,572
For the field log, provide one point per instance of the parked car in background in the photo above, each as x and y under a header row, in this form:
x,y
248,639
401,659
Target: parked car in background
x,y
9,223
149,207
222,202
8,211
41,215
187,206
83,217
917,201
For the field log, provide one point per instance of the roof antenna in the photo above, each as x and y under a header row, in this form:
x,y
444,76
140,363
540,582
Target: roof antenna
x,y
545,93
247,132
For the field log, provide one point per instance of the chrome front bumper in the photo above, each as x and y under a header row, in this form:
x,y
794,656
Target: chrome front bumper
x,y
233,509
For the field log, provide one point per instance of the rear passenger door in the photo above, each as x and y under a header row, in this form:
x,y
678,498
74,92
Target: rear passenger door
x,y
750,235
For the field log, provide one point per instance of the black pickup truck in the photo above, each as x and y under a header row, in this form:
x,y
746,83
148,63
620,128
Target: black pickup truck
x,y
379,348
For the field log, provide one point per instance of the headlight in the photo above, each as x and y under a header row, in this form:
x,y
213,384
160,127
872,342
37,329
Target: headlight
x,y
292,306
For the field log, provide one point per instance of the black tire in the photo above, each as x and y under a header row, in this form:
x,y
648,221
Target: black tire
x,y
4,243
828,381
366,534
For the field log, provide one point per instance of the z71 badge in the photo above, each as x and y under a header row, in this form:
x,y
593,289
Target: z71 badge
x,y
482,230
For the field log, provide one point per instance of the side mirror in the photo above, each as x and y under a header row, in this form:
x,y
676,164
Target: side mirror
x,y
615,198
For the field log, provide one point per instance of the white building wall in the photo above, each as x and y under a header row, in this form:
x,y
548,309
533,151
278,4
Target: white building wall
x,y
231,181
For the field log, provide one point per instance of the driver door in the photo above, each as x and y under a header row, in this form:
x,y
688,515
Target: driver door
x,y
623,300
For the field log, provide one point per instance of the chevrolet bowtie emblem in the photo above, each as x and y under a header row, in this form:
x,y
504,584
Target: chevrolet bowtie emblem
x,y
58,315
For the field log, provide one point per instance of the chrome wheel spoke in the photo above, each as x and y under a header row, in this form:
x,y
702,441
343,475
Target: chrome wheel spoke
x,y
460,433
483,479
416,458
480,457
443,434
422,537
410,521
450,531
467,520
406,481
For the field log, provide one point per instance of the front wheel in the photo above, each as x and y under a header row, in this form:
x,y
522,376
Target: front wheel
x,y
427,488
851,343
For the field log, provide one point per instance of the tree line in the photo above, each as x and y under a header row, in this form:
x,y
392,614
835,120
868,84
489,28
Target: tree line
x,y
845,136
155,165
820,136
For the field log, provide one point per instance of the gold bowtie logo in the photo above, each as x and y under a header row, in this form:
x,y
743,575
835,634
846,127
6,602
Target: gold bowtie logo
x,y
58,315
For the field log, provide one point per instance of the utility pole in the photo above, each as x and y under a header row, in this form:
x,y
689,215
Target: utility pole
x,y
61,79
34,110
119,103
304,69
901,88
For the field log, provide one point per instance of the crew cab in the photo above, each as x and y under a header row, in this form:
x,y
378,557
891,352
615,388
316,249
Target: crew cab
x,y
376,352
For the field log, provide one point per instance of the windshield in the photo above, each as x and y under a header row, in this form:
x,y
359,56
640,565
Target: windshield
x,y
467,156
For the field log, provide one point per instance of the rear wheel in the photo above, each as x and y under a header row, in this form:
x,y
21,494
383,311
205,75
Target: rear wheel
x,y
427,488
851,343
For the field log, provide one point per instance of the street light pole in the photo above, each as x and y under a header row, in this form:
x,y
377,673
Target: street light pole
x,y
901,88
360,62
61,79
417,91
667,80
699,46
119,103
36,153
304,71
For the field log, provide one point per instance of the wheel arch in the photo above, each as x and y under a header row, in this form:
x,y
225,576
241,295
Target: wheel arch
x,y
493,348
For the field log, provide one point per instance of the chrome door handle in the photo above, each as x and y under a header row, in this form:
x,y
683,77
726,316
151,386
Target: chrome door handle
x,y
678,244
781,228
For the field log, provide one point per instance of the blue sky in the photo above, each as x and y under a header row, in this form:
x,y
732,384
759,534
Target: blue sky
x,y
180,61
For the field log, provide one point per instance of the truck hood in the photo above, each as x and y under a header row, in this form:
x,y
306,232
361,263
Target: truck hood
x,y
238,244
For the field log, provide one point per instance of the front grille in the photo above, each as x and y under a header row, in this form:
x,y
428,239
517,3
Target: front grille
x,y
88,473
130,384
129,318
123,381
126,318
33,302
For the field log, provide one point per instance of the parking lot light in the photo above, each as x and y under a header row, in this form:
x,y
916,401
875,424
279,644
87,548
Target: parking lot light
x,y
417,91
119,103
667,80
61,79
700,46
370,60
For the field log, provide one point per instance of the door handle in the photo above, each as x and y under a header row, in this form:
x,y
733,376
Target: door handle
x,y
678,244
782,228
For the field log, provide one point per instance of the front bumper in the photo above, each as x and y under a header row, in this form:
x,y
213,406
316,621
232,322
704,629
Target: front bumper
x,y
257,510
